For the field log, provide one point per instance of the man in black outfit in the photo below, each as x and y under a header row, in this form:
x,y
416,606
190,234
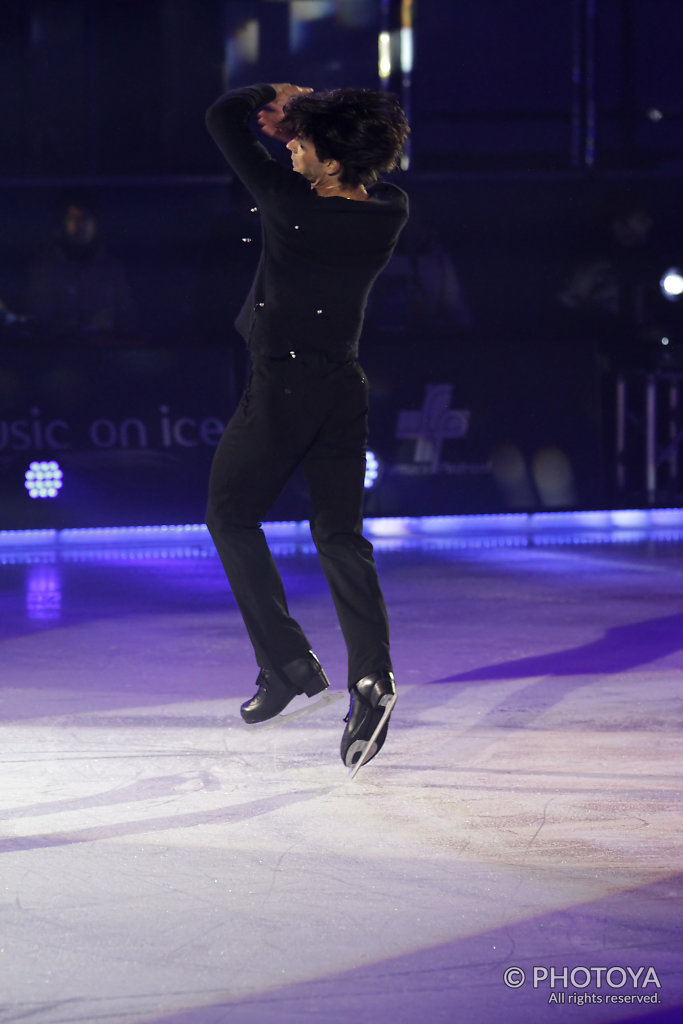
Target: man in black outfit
x,y
328,230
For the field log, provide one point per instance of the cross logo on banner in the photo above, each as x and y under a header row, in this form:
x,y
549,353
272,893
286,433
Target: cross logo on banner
x,y
431,425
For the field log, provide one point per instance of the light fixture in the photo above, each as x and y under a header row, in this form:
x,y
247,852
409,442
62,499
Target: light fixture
x,y
384,56
371,470
671,284
43,479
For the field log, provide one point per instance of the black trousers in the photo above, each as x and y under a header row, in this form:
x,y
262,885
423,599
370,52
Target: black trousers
x,y
311,412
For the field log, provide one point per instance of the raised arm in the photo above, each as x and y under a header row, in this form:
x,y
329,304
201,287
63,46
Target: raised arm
x,y
228,123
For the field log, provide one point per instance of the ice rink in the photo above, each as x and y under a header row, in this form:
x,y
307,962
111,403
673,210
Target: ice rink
x,y
514,854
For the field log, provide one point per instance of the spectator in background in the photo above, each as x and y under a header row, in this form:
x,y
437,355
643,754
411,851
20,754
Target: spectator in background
x,y
419,288
612,292
78,292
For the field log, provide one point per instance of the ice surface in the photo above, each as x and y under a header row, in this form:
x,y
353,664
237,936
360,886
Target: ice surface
x,y
161,861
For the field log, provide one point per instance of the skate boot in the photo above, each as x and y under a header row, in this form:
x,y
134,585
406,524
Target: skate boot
x,y
372,701
277,687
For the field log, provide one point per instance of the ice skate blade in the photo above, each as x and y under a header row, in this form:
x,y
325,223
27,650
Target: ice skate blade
x,y
387,703
299,712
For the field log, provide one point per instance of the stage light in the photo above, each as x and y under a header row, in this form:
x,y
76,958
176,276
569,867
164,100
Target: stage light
x,y
43,479
671,284
371,470
243,47
384,55
406,50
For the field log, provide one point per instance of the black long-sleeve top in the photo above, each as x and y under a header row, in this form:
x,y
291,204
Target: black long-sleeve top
x,y
319,255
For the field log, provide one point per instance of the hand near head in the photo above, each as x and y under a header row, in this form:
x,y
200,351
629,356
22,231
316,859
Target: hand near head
x,y
270,122
285,90
271,116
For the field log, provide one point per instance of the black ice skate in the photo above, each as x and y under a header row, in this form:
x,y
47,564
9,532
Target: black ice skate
x,y
277,687
372,701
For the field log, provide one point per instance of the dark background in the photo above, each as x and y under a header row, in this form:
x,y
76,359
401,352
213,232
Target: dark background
x,y
527,118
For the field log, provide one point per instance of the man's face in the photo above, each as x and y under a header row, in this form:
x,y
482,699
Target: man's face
x,y
79,225
305,159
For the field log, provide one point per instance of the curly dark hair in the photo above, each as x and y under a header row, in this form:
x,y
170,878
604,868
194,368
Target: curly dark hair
x,y
362,129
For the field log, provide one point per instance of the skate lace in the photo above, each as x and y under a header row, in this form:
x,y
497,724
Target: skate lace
x,y
348,713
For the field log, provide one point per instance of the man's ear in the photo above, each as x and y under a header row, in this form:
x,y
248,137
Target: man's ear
x,y
333,167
